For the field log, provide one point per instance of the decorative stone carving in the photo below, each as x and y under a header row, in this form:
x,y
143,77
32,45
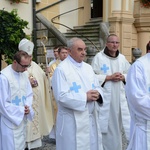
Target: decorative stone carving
x,y
136,52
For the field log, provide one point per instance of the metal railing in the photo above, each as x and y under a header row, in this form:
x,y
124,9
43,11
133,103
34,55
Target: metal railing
x,y
34,22
51,5
52,20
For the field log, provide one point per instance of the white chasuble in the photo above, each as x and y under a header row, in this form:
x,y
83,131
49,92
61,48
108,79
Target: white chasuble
x,y
77,125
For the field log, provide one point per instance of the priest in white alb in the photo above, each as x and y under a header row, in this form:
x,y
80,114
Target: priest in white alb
x,y
15,103
78,96
111,68
138,96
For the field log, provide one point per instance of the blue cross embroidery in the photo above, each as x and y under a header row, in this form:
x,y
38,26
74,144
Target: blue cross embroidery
x,y
16,101
149,89
75,87
104,68
93,86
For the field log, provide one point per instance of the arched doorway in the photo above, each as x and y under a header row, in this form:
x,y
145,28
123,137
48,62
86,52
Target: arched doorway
x,y
96,8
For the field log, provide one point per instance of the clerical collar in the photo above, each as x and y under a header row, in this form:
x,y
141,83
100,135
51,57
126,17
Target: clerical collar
x,y
75,62
14,71
106,51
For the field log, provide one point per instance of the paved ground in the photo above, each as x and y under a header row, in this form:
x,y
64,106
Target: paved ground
x,y
124,141
47,144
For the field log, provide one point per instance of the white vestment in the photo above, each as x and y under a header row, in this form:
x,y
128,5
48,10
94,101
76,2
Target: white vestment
x,y
51,62
77,126
138,96
114,113
15,93
43,120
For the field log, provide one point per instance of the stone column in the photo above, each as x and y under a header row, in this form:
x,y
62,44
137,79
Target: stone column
x,y
121,23
142,24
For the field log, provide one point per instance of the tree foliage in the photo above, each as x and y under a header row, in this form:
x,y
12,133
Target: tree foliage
x,y
11,32
15,1
145,3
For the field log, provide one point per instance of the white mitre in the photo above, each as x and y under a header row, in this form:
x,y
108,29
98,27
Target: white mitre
x,y
26,45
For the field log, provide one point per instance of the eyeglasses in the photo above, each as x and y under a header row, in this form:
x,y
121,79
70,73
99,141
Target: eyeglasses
x,y
23,66
113,42
55,51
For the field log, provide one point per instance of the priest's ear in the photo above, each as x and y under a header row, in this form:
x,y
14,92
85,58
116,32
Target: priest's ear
x,y
148,47
69,51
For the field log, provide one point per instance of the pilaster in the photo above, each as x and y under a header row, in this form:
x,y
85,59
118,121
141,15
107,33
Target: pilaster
x,y
142,25
121,23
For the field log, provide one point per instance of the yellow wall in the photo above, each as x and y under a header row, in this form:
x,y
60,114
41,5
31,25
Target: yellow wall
x,y
24,11
85,13
131,22
120,18
50,12
127,19
71,19
142,24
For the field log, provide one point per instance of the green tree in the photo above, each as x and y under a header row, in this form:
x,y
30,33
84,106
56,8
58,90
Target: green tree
x,y
11,32
145,3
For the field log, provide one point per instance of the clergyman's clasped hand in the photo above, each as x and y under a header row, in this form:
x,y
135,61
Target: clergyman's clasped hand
x,y
93,95
117,77
26,110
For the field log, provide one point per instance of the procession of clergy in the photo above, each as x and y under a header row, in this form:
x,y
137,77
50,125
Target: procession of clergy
x,y
82,106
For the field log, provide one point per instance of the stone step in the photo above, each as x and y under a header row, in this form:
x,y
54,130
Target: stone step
x,y
86,27
81,35
88,32
83,31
